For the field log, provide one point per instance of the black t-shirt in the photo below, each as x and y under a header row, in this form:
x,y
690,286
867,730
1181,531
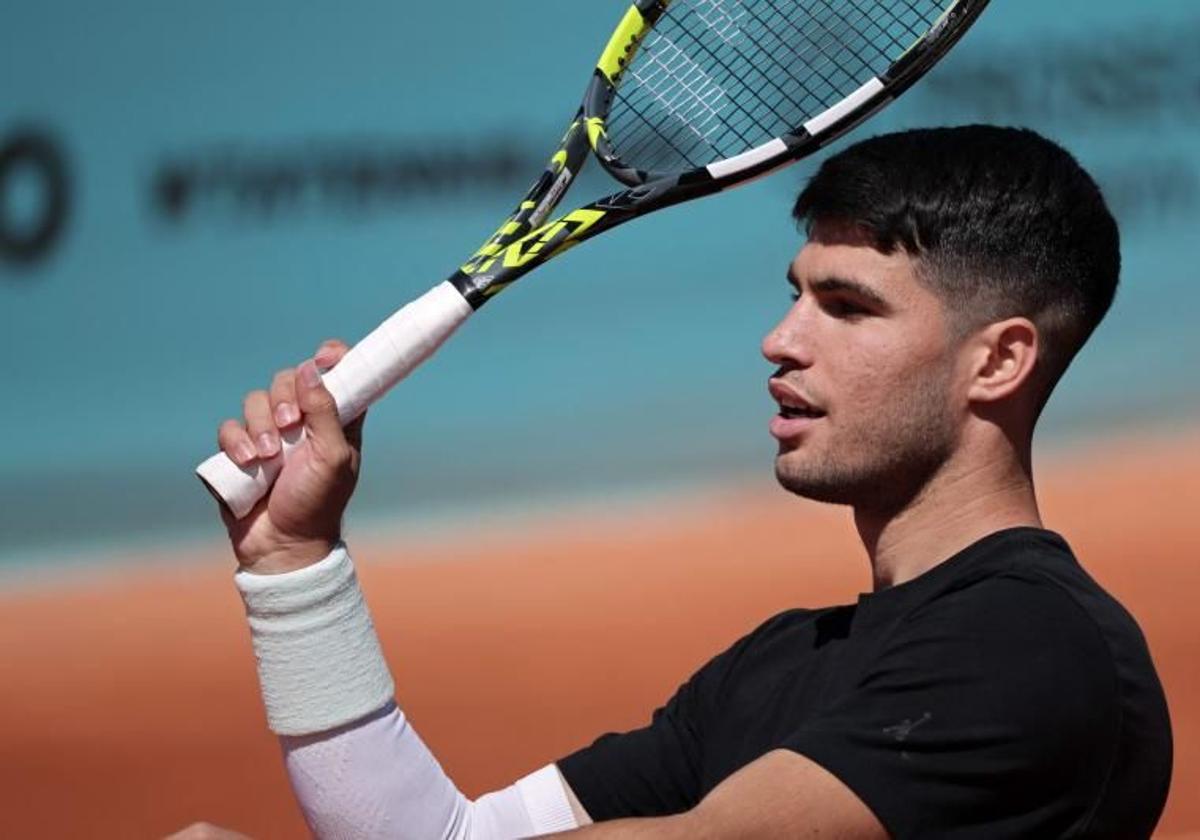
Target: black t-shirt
x,y
1003,693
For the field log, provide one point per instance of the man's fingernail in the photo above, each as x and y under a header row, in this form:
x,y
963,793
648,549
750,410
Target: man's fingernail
x,y
309,375
266,444
324,358
286,414
244,453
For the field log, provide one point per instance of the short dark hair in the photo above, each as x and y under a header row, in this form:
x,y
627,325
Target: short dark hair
x,y
1002,221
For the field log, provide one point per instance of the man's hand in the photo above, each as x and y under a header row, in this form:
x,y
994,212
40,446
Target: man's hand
x,y
299,521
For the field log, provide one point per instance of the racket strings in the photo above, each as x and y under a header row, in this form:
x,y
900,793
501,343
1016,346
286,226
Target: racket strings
x,y
660,87
722,18
681,86
668,87
718,77
839,66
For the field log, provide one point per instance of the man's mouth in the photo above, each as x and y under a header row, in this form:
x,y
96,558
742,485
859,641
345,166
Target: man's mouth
x,y
791,404
791,412
796,414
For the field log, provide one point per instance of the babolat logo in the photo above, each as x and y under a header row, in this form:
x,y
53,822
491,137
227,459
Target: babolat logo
x,y
34,195
543,242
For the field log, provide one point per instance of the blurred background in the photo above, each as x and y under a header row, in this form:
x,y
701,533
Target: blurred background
x,y
195,195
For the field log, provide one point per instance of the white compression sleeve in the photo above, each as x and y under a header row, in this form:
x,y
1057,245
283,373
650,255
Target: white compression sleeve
x,y
376,778
357,767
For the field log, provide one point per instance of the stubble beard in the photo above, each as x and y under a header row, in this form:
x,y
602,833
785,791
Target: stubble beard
x,y
881,462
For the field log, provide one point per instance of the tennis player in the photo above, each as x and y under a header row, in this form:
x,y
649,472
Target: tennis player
x,y
986,686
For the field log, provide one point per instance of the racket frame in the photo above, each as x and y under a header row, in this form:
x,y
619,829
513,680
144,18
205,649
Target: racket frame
x,y
526,240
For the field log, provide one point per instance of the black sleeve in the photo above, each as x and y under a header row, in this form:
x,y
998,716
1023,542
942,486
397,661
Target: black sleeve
x,y
647,772
991,711
653,771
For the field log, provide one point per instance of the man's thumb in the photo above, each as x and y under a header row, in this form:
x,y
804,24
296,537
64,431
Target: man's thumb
x,y
317,405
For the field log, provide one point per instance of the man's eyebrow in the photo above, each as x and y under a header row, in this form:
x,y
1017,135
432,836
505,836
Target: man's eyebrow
x,y
861,291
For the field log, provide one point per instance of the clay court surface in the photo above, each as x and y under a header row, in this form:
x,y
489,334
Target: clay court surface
x,y
130,708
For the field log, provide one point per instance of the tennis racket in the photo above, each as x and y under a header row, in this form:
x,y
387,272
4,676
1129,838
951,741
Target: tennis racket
x,y
689,97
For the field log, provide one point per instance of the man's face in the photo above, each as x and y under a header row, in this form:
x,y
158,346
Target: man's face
x,y
865,375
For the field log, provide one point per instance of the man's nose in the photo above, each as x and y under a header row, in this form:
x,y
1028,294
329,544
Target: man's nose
x,y
787,343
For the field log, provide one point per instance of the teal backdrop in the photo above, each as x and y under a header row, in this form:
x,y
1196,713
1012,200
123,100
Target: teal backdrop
x,y
194,195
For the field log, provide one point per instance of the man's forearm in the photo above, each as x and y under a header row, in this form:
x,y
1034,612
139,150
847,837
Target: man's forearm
x,y
376,778
676,827
355,763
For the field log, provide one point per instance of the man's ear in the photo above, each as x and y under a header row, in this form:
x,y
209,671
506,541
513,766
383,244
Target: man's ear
x,y
1003,357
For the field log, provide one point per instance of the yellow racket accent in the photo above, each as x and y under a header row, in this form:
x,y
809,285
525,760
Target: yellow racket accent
x,y
530,246
621,46
595,130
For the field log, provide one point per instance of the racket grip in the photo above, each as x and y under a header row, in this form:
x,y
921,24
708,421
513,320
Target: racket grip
x,y
385,356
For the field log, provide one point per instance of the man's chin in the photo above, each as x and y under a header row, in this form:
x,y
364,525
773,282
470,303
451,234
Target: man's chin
x,y
808,484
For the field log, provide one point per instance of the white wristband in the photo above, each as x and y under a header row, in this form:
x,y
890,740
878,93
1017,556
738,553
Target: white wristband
x,y
319,660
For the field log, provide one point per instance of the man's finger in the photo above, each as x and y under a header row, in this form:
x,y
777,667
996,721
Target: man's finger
x,y
235,442
316,403
330,353
259,425
283,399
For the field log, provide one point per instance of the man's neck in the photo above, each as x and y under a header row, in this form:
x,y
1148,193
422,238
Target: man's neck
x,y
960,505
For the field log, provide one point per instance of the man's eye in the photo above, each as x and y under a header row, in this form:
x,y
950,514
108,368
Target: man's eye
x,y
842,308
795,296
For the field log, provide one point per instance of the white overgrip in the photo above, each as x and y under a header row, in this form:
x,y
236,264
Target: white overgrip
x,y
385,356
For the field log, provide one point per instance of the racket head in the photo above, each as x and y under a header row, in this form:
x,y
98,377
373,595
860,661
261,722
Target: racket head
x,y
715,92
